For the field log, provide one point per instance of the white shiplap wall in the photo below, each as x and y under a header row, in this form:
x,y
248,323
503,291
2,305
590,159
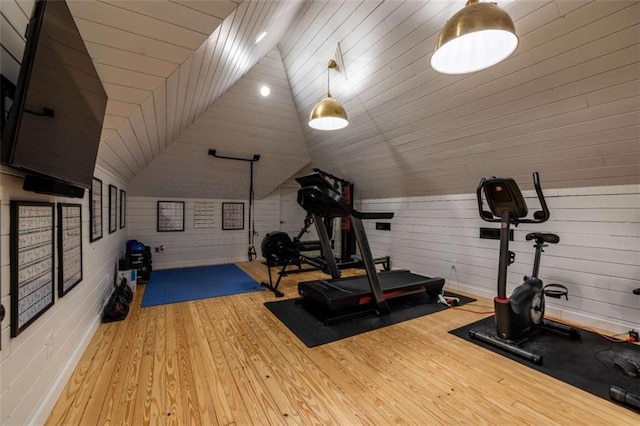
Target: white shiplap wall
x,y
598,257
199,246
30,382
14,17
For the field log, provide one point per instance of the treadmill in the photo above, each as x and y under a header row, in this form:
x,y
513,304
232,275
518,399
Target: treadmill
x,y
373,290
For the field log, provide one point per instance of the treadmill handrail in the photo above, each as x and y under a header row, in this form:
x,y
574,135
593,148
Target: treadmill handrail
x,y
342,205
318,197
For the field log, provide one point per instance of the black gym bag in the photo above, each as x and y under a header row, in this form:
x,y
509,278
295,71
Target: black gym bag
x,y
117,308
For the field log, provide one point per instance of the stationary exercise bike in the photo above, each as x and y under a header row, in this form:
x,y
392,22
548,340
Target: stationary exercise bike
x,y
630,369
519,315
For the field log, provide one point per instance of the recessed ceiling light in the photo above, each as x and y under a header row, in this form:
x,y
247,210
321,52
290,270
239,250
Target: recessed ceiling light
x,y
261,36
264,91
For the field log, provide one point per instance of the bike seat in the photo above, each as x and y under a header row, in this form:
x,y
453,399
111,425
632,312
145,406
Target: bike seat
x,y
539,236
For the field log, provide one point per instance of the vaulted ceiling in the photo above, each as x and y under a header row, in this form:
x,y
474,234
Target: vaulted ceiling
x,y
183,76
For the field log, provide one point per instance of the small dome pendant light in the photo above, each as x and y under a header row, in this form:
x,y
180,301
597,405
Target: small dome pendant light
x,y
477,37
328,114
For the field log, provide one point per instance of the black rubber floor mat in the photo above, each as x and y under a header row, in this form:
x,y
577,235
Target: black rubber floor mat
x,y
307,323
588,363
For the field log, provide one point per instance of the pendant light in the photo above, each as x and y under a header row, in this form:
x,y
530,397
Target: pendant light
x,y
328,114
477,37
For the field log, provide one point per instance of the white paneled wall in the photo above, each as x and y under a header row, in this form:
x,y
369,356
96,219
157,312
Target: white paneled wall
x,y
199,246
14,17
597,258
31,380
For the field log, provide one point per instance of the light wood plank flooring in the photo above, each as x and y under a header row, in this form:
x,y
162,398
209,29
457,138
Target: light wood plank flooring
x,y
227,360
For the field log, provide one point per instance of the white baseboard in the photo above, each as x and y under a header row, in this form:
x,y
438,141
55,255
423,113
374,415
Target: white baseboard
x,y
48,401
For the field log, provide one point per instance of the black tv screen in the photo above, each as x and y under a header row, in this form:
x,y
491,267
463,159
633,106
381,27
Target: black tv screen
x,y
54,126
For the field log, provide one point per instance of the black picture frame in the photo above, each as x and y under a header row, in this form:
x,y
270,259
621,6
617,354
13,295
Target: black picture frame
x,y
69,247
204,215
123,208
113,209
232,216
95,210
32,267
170,216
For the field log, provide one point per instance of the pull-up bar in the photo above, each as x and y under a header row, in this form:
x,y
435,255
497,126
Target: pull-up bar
x,y
255,158
251,253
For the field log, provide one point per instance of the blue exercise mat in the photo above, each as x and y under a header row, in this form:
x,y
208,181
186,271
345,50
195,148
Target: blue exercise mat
x,y
202,282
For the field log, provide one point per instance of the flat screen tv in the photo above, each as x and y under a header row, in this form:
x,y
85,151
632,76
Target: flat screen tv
x,y
54,125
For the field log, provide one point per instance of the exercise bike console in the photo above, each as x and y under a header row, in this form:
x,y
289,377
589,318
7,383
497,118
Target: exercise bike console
x,y
518,315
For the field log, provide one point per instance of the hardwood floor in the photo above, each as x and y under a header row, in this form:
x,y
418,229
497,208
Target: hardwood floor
x,y
228,360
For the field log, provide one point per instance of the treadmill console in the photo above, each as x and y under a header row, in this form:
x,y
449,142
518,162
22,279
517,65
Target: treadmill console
x,y
317,196
315,179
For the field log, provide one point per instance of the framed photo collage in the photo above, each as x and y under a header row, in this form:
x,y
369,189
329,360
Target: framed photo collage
x,y
33,251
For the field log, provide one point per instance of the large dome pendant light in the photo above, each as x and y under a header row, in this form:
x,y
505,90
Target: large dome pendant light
x,y
328,114
477,37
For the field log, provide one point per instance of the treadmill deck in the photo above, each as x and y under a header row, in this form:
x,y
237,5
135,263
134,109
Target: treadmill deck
x,y
347,292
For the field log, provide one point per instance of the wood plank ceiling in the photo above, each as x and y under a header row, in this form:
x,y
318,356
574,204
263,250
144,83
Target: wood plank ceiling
x,y
163,63
566,103
240,123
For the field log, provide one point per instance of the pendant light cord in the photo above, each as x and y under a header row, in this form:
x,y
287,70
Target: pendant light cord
x,y
328,82
332,64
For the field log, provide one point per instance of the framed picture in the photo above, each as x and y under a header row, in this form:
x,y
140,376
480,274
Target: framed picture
x,y
69,247
32,262
170,216
232,216
95,210
113,209
204,214
123,209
